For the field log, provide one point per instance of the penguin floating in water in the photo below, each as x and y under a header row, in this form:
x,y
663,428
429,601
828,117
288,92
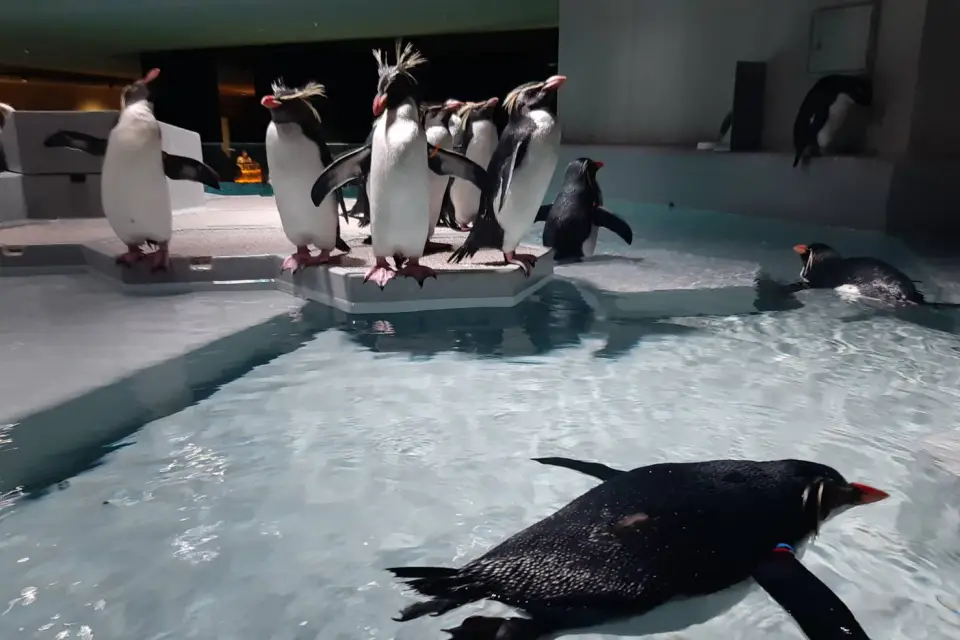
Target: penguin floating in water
x,y
574,219
521,169
824,111
5,112
296,152
475,137
670,545
860,277
436,123
395,165
133,181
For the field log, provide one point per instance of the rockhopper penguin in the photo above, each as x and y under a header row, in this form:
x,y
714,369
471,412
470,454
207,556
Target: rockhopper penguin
x,y
574,219
5,112
671,545
475,136
395,165
297,152
521,169
436,124
824,110
133,181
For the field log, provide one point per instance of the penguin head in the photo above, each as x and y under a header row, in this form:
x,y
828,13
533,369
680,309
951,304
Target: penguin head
x,y
826,493
584,170
814,255
138,91
438,115
292,105
860,90
472,112
534,95
396,84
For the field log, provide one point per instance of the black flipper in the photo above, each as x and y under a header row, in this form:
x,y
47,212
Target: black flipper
x,y
448,213
184,168
344,170
342,244
815,608
487,628
594,469
543,212
451,163
78,142
507,169
613,222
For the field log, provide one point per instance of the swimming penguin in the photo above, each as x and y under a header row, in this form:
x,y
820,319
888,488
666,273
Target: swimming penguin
x,y
5,112
133,185
521,169
476,137
664,547
395,165
436,120
574,219
824,110
863,277
296,152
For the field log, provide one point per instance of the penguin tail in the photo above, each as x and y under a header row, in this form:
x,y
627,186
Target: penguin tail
x,y
448,587
486,233
488,628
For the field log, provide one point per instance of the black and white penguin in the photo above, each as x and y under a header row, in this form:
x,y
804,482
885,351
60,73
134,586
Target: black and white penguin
x,y
296,152
521,169
395,165
475,136
133,182
825,110
5,112
662,547
859,277
436,124
574,219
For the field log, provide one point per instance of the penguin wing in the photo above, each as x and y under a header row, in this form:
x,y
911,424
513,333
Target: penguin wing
x,y
509,156
815,608
543,212
451,163
77,141
464,134
350,166
594,469
613,222
184,168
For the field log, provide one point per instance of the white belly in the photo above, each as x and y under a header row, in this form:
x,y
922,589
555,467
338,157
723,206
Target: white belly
x,y
835,119
437,136
397,189
590,244
464,195
295,164
133,186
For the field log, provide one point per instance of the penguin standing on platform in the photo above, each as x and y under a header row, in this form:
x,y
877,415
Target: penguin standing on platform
x,y
436,120
395,165
296,152
133,181
574,219
824,113
521,169
476,138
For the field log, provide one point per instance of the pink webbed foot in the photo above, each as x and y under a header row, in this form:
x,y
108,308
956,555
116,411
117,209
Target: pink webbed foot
x,y
133,255
160,259
464,227
523,260
380,274
413,269
296,261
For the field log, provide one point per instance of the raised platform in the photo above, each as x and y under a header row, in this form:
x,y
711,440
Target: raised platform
x,y
238,243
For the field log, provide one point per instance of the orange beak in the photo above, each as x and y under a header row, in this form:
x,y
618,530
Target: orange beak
x,y
598,163
379,105
554,82
800,249
867,494
151,76
270,102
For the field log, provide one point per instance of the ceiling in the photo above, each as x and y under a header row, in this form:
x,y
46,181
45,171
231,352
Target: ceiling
x,y
103,35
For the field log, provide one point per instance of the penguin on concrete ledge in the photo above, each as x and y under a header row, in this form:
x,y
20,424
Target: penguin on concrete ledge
x,y
823,113
671,545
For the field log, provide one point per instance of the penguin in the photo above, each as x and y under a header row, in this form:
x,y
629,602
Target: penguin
x,y
436,119
521,169
296,152
662,547
133,182
574,219
5,112
860,277
361,208
476,137
395,165
824,110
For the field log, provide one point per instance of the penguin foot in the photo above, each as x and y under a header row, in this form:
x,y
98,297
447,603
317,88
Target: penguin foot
x,y
413,269
523,260
160,259
297,261
464,227
133,255
380,274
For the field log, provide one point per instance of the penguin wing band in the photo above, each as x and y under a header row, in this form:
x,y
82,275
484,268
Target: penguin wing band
x,y
350,166
78,142
184,168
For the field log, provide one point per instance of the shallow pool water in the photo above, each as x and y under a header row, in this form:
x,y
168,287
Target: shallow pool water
x,y
269,509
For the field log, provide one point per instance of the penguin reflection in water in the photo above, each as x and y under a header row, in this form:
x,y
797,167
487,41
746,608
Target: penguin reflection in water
x,y
671,545
296,152
395,165
133,181
574,219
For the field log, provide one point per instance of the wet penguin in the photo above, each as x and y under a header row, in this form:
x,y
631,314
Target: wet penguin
x,y
521,169
476,137
133,185
664,547
436,121
297,152
5,112
574,219
395,165
824,112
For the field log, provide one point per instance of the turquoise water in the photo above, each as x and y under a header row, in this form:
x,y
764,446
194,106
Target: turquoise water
x,y
268,508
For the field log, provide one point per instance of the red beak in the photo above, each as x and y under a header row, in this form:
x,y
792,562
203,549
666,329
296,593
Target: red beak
x,y
598,163
451,105
151,76
379,105
868,494
269,102
492,102
800,249
554,82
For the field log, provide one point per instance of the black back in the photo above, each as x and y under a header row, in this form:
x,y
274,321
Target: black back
x,y
570,221
825,268
815,107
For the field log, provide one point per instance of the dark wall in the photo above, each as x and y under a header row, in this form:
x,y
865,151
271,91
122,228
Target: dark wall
x,y
186,93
